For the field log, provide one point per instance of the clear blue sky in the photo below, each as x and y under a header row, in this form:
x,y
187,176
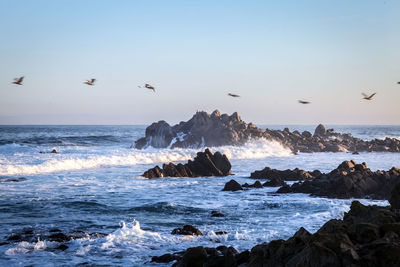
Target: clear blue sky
x,y
272,53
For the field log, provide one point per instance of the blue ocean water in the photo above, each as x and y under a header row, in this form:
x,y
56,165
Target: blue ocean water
x,y
94,184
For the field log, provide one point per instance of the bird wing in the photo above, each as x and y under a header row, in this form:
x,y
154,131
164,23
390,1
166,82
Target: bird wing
x,y
93,80
372,95
364,95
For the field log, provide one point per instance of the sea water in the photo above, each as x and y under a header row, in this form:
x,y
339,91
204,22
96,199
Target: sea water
x,y
94,184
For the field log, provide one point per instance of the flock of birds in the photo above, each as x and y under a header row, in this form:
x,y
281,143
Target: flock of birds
x,y
91,82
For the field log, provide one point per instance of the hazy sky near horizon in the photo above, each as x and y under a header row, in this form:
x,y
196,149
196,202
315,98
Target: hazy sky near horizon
x,y
272,53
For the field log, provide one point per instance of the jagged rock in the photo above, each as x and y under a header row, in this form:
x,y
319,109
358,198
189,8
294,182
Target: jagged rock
x,y
349,180
232,185
257,184
187,230
286,175
218,129
204,164
320,130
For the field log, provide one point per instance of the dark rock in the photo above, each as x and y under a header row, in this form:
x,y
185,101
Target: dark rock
x,y
54,151
286,175
165,258
219,129
275,182
216,213
204,164
193,257
355,153
232,185
221,233
186,230
62,247
257,184
349,180
59,237
320,130
395,197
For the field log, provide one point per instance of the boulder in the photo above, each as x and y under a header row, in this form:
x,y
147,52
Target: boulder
x,y
187,230
204,164
232,185
320,130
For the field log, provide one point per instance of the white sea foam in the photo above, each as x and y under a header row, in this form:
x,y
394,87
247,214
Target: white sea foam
x,y
62,162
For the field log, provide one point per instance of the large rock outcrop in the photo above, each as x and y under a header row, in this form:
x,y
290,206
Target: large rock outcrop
x,y
349,180
204,164
216,129
367,236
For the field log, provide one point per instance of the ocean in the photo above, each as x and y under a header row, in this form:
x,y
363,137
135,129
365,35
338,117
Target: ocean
x,y
94,184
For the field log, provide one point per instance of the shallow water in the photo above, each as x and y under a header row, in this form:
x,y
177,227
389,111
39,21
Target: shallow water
x,y
93,184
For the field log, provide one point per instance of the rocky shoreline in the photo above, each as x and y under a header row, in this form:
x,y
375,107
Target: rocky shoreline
x,y
366,236
216,129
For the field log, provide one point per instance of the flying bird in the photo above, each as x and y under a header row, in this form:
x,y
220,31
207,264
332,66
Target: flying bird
x,y
90,82
233,95
148,86
304,102
367,97
18,80
398,82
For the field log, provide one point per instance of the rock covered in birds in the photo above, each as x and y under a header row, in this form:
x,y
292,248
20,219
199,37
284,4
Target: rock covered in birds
x,y
204,164
218,129
349,180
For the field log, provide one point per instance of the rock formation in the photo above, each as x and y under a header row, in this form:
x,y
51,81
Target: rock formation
x,y
204,164
218,129
367,236
287,175
349,180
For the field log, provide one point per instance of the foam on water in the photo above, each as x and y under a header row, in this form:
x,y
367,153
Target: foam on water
x,y
128,157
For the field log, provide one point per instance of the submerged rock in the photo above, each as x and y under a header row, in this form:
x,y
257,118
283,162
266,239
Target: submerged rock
x,y
286,175
218,129
204,164
349,180
187,230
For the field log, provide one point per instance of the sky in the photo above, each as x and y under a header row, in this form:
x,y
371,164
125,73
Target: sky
x,y
271,53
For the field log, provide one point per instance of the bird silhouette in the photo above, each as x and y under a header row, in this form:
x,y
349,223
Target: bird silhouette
x,y
90,82
233,95
367,97
18,80
304,102
148,86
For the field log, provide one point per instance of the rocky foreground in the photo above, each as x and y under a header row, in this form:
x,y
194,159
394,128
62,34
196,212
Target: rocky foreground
x,y
204,164
348,180
367,236
216,129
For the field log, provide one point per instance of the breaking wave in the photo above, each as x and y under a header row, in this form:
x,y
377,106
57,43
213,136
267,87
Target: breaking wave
x,y
63,162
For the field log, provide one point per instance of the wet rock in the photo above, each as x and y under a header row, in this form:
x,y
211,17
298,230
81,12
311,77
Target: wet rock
x,y
54,151
221,233
186,230
275,182
62,247
165,258
216,213
286,175
349,180
257,184
218,129
195,257
232,185
204,164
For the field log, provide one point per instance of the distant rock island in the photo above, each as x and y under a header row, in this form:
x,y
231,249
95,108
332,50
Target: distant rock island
x,y
216,129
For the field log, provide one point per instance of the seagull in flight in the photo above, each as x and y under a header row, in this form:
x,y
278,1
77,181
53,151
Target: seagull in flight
x,y
233,95
148,86
367,97
304,102
18,80
90,82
